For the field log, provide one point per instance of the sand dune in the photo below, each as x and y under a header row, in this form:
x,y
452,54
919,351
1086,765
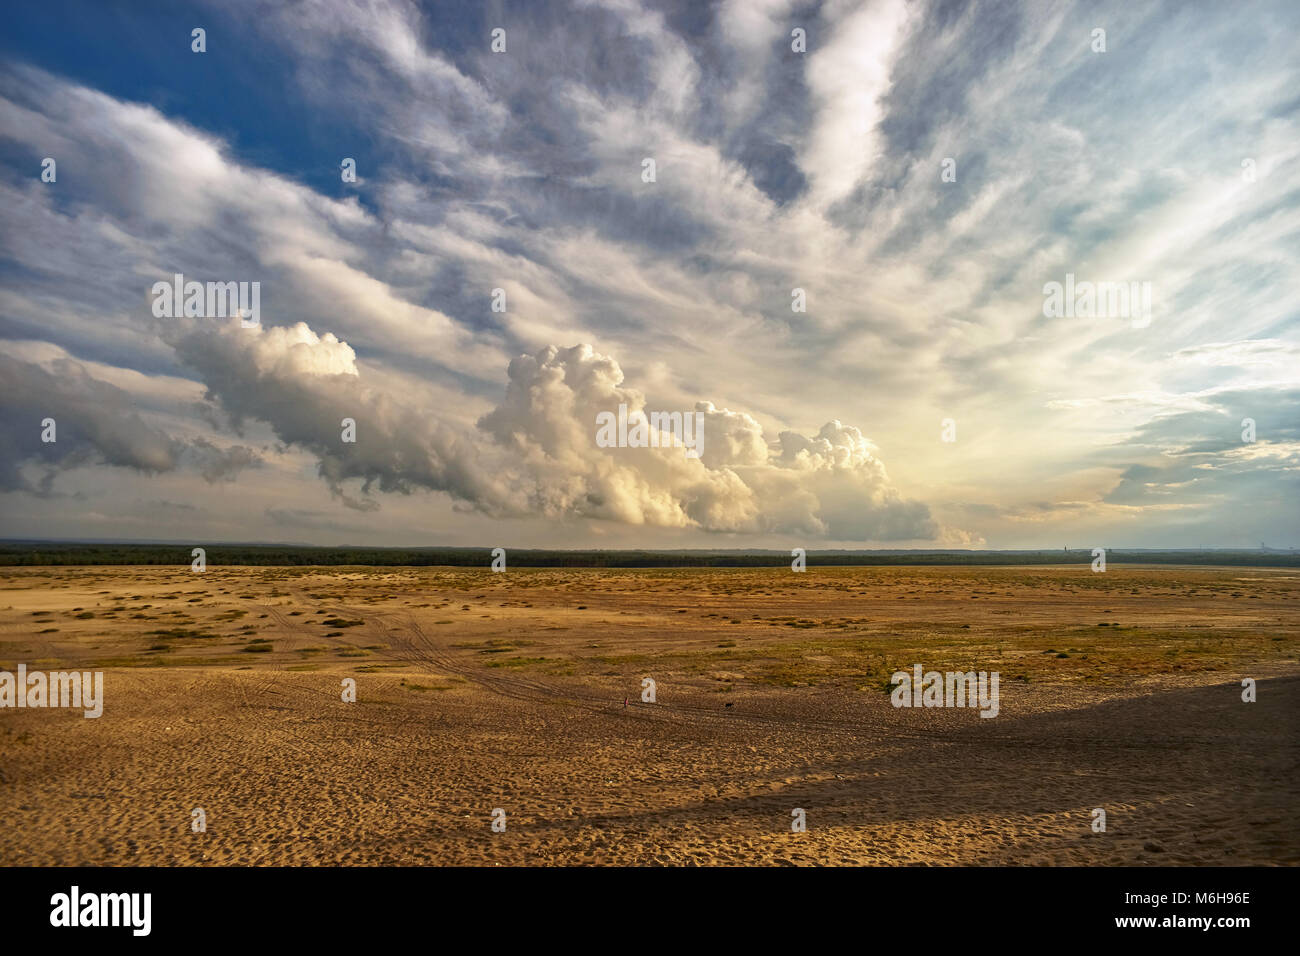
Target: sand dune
x,y
479,691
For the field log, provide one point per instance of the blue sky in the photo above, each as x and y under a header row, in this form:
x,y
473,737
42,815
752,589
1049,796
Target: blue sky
x,y
1169,159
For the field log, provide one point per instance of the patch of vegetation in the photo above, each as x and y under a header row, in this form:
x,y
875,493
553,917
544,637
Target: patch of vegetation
x,y
494,646
514,662
182,634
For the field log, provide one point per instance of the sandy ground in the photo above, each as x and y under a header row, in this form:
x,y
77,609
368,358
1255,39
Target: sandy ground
x,y
479,691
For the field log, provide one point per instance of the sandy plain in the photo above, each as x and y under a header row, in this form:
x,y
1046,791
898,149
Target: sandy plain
x,y
522,691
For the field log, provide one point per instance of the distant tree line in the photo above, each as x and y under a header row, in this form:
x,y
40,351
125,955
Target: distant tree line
x,y
14,553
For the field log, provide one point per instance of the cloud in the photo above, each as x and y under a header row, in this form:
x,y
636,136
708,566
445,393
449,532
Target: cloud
x,y
520,171
304,385
535,453
220,464
93,424
1198,457
831,485
849,79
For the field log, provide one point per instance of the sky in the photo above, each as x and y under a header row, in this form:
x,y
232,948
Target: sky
x,y
829,230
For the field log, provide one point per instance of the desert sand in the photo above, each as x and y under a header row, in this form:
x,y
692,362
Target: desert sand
x,y
478,691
